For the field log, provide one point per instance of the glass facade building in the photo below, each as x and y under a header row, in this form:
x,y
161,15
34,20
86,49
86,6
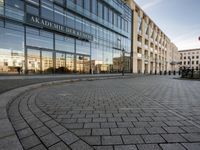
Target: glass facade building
x,y
64,36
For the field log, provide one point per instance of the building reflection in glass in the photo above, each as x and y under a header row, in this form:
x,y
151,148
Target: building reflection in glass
x,y
42,50
33,61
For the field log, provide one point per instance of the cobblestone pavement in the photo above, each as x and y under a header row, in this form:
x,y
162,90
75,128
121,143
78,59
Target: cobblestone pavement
x,y
144,113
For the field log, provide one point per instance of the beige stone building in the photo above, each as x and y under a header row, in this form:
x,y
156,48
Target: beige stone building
x,y
173,58
152,49
190,58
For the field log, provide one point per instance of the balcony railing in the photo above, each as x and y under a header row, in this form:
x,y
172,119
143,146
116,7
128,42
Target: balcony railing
x,y
156,51
151,49
146,46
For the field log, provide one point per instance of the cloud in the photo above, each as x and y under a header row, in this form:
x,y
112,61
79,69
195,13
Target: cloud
x,y
151,4
188,39
189,43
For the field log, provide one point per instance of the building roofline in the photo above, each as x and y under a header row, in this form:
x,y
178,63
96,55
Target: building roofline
x,y
151,19
194,49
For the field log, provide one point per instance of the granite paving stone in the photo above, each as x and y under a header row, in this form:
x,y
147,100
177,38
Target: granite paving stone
x,y
132,139
172,146
192,146
148,147
119,131
143,113
92,140
137,130
50,139
30,142
111,140
69,138
156,138
59,146
173,138
100,131
126,147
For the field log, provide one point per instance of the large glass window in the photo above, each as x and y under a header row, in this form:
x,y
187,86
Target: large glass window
x,y
110,16
100,10
59,14
47,62
82,64
47,9
15,4
87,5
33,61
59,2
79,3
15,9
11,50
94,7
119,20
60,63
78,24
1,23
34,2
70,22
69,63
115,19
1,7
106,14
37,38
63,43
86,26
32,10
82,47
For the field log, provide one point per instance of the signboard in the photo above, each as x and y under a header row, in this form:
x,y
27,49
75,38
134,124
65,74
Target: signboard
x,y
35,20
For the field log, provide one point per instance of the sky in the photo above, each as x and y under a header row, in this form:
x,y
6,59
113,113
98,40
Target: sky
x,y
178,19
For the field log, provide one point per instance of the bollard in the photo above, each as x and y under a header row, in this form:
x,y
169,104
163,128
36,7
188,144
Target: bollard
x,y
174,72
169,72
165,73
160,72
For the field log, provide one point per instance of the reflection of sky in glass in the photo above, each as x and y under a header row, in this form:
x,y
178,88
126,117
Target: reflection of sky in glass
x,y
11,40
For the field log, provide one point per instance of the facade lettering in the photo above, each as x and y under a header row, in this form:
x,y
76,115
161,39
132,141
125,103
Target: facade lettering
x,y
48,24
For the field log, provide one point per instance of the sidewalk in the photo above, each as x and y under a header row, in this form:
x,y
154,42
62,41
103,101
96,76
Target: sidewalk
x,y
10,82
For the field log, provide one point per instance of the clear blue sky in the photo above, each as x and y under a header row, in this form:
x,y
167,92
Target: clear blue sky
x,y
178,19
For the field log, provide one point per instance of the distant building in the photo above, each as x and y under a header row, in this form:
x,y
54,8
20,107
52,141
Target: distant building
x,y
173,58
190,58
153,51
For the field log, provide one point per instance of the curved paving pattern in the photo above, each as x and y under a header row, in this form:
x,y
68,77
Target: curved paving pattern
x,y
145,113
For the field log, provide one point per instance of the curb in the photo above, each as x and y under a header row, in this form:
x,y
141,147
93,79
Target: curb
x,y
8,137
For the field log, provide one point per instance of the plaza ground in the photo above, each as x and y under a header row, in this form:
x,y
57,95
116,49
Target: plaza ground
x,y
140,113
